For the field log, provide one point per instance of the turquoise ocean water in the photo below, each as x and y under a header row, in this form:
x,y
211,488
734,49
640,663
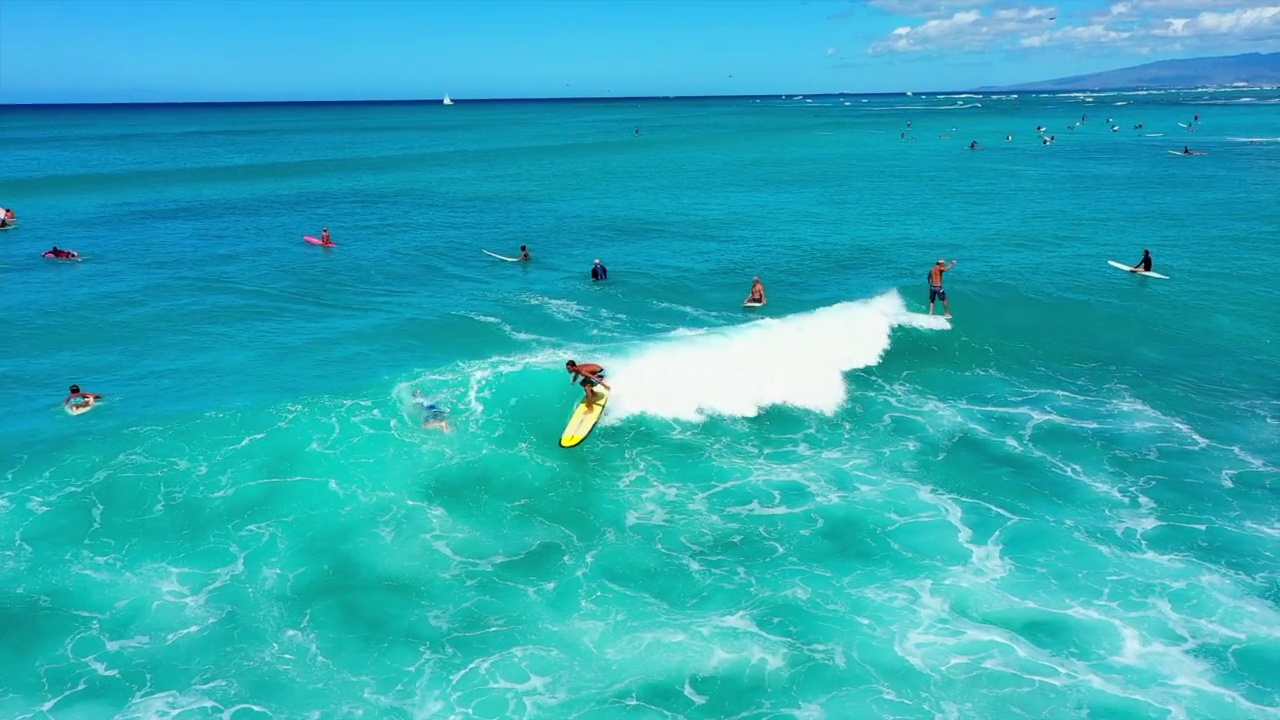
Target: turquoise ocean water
x,y
1061,504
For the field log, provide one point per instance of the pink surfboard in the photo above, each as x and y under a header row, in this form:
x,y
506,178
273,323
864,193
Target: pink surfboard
x,y
318,241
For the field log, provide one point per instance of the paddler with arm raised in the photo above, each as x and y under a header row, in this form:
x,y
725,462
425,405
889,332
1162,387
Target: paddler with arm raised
x,y
591,374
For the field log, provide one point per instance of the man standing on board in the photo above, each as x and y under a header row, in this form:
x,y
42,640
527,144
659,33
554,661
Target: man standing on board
x,y
935,285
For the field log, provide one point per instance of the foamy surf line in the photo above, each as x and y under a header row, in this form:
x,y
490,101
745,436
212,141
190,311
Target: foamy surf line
x,y
798,360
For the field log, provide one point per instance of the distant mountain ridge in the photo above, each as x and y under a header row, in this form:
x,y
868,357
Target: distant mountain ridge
x,y
1249,69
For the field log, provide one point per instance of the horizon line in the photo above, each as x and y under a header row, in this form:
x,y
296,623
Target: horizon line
x,y
621,98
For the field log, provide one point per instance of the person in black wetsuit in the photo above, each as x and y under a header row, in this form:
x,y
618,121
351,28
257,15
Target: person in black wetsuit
x,y
1145,263
599,272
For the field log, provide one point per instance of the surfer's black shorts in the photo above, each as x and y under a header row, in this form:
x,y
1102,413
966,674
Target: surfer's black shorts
x,y
937,293
588,382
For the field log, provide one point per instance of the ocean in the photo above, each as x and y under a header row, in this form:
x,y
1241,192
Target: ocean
x,y
1061,503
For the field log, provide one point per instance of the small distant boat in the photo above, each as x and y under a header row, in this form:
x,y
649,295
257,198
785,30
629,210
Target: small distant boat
x,y
447,101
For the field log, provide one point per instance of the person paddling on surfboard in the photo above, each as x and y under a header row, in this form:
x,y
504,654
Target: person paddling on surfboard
x,y
1144,265
524,254
591,375
433,416
77,398
935,285
757,293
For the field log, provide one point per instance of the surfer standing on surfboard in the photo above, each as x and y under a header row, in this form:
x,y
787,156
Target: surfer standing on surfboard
x,y
78,398
935,285
591,375
1145,263
757,292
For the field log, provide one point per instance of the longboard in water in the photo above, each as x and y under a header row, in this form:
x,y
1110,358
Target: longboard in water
x,y
752,304
500,257
1128,268
584,420
318,241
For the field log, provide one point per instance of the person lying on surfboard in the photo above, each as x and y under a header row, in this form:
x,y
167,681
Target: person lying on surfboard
x,y
61,254
1144,264
524,253
433,416
78,398
591,375
757,292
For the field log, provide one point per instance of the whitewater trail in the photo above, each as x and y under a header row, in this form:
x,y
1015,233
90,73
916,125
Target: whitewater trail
x,y
797,360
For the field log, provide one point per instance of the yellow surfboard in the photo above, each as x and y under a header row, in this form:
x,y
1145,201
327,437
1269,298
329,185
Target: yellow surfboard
x,y
583,420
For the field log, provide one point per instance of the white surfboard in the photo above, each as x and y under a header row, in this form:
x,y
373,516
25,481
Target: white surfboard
x,y
752,304
500,257
1129,268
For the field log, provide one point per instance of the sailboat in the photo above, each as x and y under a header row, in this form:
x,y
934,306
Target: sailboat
x,y
447,101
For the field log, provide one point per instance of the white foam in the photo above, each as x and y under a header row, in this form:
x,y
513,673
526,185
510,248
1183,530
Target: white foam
x,y
798,360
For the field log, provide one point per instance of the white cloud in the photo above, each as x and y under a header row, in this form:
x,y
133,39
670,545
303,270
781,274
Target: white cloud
x,y
1243,22
1136,25
926,8
965,30
1076,35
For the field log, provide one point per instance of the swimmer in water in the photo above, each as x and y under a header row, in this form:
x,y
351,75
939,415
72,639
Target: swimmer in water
x,y
973,145
433,416
80,399
599,271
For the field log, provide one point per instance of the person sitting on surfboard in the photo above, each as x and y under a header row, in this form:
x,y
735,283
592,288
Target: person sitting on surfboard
x,y
524,253
433,416
599,271
324,237
77,398
757,292
1144,264
591,375
935,285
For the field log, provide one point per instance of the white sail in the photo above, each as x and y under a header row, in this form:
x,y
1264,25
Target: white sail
x,y
447,101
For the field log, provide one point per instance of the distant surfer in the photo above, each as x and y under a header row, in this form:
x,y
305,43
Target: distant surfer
x,y
433,416
591,375
1196,119
80,399
756,297
324,237
973,145
7,217
1186,149
599,271
1144,265
524,254
935,285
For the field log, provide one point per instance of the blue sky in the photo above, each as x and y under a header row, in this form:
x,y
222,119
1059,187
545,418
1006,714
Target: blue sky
x,y
194,50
